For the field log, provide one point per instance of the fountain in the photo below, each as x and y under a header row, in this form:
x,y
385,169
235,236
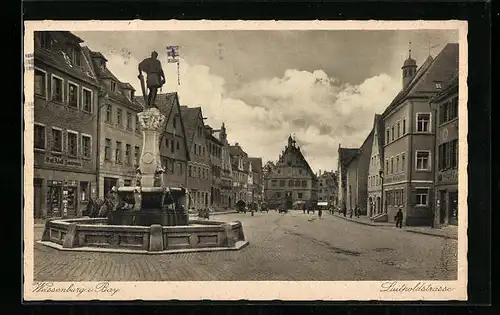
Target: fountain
x,y
150,218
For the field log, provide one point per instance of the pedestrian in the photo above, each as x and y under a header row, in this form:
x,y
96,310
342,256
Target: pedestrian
x,y
350,213
344,210
356,211
320,212
399,218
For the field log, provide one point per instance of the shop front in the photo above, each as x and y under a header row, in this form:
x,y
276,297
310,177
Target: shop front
x,y
61,194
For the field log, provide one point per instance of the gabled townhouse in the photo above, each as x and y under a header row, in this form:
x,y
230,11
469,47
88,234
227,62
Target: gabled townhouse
x,y
240,172
257,179
446,111
375,172
65,125
119,136
199,181
408,150
345,156
215,147
227,197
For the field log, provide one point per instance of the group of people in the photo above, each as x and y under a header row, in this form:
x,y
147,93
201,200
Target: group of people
x,y
356,212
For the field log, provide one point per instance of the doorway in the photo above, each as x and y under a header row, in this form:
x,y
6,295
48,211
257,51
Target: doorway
x,y
38,198
54,199
442,206
453,208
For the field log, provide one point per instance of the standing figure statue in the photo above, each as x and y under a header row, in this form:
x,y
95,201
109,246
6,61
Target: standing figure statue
x,y
155,78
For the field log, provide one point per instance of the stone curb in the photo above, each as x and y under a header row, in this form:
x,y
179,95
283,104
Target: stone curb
x,y
433,234
239,245
356,221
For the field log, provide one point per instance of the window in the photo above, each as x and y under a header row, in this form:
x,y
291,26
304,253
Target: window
x,y
304,183
72,95
113,87
119,116
392,133
84,191
87,100
118,152
39,135
86,146
76,57
282,183
387,166
423,122
397,164
299,195
107,149
388,137
45,40
399,130
448,111
421,196
177,145
274,183
423,160
56,140
403,165
72,143
109,112
127,183
128,154
172,148
190,174
136,123
129,120
290,183
57,89
137,154
404,126
392,165
448,155
40,83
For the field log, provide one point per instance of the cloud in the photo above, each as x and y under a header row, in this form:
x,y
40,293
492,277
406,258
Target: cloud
x,y
316,107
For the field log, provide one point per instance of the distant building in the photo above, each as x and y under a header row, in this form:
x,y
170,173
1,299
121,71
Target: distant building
x,y
345,156
291,181
257,186
120,137
65,126
445,108
215,151
327,188
227,197
357,177
375,172
199,180
409,138
239,165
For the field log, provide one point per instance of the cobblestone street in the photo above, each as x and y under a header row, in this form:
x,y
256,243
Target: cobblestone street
x,y
292,247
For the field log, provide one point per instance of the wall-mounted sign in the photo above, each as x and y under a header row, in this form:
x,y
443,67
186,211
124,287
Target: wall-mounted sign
x,y
74,163
54,160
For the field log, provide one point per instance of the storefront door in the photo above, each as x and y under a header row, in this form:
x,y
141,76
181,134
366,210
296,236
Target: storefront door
x,y
38,198
54,198
70,193
453,208
442,206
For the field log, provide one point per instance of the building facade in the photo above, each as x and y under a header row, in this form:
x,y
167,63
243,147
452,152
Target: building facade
x,y
327,188
408,120
65,126
199,181
239,165
227,197
445,108
119,135
345,155
256,179
215,153
375,173
291,181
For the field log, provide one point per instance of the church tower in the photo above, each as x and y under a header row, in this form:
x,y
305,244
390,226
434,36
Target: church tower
x,y
409,69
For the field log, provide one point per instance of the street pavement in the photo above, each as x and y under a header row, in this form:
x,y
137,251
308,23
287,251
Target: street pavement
x,y
283,247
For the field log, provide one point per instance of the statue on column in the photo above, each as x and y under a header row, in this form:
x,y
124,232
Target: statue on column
x,y
155,78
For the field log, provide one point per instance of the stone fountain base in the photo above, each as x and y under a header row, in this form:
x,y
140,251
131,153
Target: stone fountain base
x,y
94,234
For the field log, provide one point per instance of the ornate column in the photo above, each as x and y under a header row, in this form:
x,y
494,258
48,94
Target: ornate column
x,y
152,124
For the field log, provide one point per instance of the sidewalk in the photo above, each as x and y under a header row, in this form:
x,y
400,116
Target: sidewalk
x,y
450,232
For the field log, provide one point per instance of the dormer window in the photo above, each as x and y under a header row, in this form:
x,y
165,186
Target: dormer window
x,y
113,86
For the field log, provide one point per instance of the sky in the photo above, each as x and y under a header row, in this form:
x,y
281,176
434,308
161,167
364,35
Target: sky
x,y
323,87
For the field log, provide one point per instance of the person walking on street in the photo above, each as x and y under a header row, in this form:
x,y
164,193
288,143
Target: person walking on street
x,y
399,218
320,212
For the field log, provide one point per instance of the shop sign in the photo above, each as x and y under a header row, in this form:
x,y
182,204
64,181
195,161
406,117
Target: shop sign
x,y
450,175
70,183
73,163
54,183
54,160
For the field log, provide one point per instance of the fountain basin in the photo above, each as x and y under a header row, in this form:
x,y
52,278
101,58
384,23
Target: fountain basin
x,y
95,234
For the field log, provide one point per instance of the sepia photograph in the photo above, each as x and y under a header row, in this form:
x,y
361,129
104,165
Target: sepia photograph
x,y
190,160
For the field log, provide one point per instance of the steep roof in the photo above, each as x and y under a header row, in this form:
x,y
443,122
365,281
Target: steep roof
x,y
164,102
190,117
256,164
440,69
450,88
346,155
236,150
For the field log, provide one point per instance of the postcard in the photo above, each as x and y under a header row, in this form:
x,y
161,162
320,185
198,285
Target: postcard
x,y
255,160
